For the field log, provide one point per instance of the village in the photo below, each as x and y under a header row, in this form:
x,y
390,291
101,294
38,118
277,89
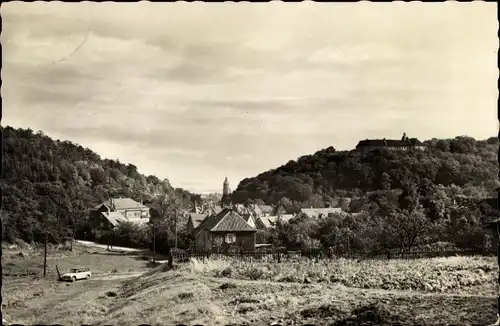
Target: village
x,y
277,164
226,227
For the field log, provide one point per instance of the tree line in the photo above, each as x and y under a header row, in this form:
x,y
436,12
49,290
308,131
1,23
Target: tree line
x,y
51,185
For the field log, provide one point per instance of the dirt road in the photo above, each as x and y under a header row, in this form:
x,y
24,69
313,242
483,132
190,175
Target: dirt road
x,y
102,246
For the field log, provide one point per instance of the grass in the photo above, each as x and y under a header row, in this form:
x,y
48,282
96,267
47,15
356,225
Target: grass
x,y
220,292
425,275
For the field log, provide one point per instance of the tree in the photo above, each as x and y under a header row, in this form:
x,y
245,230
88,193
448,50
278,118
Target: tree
x,y
443,145
385,181
410,228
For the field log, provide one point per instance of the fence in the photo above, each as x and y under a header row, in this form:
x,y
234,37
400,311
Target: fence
x,y
280,255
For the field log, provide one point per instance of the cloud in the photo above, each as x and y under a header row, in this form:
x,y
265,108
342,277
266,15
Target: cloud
x,y
166,88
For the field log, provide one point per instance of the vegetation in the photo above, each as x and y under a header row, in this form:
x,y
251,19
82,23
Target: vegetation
x,y
399,200
50,185
456,166
404,199
424,275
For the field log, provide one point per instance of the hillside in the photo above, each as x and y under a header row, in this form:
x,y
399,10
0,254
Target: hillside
x,y
461,166
51,184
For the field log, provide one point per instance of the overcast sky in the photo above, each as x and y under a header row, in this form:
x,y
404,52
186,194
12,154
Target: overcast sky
x,y
194,92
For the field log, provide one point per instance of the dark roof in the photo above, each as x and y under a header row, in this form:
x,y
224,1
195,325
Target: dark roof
x,y
390,143
226,221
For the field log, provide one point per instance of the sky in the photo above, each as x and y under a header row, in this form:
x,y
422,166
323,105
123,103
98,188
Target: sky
x,y
195,92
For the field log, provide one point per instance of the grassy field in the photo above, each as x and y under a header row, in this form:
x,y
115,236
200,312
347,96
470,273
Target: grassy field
x,y
455,290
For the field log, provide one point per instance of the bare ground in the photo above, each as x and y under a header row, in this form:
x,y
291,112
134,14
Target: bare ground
x,y
117,295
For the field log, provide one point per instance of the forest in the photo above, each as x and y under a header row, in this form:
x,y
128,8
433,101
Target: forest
x,y
459,166
398,199
403,198
51,184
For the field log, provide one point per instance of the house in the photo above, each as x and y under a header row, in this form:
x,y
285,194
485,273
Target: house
x,y
242,210
261,210
194,220
280,209
266,210
320,212
224,230
269,222
404,143
117,210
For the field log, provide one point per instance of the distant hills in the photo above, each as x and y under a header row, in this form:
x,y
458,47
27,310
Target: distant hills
x,y
461,166
51,183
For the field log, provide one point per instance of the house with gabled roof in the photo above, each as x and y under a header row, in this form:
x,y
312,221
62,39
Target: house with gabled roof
x,y
194,220
269,222
321,212
222,231
118,210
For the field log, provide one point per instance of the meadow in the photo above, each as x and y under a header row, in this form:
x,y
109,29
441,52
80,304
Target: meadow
x,y
427,275
439,291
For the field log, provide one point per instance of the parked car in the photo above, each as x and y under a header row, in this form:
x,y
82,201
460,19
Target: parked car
x,y
77,274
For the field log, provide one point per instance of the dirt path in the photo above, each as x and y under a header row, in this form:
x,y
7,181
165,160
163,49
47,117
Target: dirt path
x,y
118,276
102,246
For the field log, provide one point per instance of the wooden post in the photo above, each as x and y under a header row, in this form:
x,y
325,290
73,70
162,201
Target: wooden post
x,y
170,260
175,222
45,257
154,242
58,273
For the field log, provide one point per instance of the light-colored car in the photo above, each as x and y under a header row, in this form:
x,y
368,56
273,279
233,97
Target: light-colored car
x,y
77,274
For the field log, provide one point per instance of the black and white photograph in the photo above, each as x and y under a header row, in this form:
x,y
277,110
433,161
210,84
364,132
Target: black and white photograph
x,y
240,163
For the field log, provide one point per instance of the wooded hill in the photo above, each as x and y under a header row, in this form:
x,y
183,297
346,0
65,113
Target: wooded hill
x,y
51,184
459,166
406,198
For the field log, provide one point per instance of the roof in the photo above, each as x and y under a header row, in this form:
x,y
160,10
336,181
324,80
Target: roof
x,y
242,210
99,206
196,219
226,221
125,203
115,218
266,208
270,221
247,217
389,143
216,209
121,203
315,212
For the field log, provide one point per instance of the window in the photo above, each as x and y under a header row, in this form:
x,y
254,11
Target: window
x,y
230,238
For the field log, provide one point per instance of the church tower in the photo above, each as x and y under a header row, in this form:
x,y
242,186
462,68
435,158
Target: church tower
x,y
225,188
226,191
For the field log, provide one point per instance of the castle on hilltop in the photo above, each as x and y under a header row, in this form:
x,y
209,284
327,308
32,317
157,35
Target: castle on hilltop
x,y
402,144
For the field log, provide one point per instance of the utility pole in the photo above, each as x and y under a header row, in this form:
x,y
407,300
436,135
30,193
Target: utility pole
x,y
154,241
175,223
45,256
